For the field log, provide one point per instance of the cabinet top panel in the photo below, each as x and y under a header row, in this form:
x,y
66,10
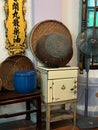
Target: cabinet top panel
x,y
56,69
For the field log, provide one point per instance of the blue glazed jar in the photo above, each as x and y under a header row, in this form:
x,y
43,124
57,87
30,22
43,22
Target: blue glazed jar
x,y
25,81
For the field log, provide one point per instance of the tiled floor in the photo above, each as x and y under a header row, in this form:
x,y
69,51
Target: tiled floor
x,y
18,125
67,125
60,125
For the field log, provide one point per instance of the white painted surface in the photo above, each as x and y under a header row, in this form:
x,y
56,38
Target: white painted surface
x,y
71,10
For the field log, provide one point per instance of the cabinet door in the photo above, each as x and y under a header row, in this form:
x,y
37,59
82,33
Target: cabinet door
x,y
64,89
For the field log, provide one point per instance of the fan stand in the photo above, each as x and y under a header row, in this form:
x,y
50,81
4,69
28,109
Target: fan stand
x,y
87,122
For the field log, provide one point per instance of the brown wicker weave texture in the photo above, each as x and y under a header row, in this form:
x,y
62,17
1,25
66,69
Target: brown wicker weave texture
x,y
10,65
44,28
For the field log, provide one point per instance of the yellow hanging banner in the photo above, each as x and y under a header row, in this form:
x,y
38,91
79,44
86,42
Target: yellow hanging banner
x,y
15,26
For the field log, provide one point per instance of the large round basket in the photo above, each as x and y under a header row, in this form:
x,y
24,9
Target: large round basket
x,y
58,36
12,64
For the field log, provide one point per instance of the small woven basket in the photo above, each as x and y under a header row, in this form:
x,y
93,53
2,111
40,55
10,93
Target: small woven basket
x,y
12,64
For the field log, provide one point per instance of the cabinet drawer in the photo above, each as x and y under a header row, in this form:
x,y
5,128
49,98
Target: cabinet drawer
x,y
58,73
62,74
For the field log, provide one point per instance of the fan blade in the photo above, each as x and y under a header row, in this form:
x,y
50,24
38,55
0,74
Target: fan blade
x,y
87,42
85,48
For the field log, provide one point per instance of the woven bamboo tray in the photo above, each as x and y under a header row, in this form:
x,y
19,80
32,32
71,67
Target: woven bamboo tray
x,y
44,28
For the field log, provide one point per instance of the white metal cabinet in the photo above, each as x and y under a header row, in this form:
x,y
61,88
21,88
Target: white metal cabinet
x,y
58,84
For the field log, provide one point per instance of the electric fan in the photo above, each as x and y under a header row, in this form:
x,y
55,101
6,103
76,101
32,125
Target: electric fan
x,y
87,43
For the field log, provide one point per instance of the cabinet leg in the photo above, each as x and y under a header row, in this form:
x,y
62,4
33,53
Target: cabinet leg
x,y
74,113
47,117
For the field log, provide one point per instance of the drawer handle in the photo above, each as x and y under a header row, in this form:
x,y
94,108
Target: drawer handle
x,y
63,87
72,89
